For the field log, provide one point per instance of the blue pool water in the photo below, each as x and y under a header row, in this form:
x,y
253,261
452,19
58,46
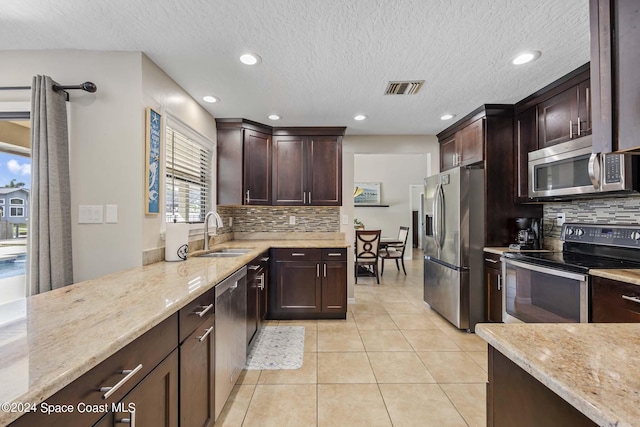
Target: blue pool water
x,y
13,267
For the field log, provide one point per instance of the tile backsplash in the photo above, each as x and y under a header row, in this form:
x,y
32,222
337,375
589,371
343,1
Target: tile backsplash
x,y
622,210
277,219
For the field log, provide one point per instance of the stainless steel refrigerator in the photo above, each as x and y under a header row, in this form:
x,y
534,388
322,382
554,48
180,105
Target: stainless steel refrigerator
x,y
454,241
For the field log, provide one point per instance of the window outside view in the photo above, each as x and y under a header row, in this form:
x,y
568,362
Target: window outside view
x,y
15,181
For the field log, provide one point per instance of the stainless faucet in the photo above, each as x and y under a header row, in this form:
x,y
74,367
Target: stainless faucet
x,y
219,224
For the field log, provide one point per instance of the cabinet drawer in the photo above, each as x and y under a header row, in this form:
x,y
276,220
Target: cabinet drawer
x,y
613,301
337,254
148,350
299,254
194,313
492,260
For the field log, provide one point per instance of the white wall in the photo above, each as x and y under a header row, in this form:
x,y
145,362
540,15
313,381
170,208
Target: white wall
x,y
378,144
107,144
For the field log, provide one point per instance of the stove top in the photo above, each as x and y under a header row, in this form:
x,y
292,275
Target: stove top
x,y
590,246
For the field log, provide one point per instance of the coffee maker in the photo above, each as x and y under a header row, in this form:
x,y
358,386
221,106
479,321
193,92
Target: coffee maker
x,y
528,234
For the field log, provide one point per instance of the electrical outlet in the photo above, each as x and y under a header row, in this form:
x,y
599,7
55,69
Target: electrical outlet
x,y
230,221
292,220
345,219
560,218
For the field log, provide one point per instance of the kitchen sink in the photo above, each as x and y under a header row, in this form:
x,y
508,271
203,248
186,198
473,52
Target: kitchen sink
x,y
225,253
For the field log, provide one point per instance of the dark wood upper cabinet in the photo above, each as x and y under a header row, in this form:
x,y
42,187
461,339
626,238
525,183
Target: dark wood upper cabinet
x,y
526,139
558,118
448,154
307,166
243,162
463,148
615,61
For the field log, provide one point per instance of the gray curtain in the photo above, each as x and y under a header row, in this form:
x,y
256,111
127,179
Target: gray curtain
x,y
50,262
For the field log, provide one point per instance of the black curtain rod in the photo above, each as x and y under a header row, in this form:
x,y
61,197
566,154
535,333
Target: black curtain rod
x,y
86,86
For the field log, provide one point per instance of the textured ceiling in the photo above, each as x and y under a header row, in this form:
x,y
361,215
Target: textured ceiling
x,y
323,61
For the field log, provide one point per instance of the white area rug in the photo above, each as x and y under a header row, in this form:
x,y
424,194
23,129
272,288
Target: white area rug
x,y
277,347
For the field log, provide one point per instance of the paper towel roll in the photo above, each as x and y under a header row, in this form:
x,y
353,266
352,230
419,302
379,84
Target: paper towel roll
x,y
176,241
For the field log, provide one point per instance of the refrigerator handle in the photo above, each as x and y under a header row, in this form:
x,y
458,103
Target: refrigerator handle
x,y
436,218
441,216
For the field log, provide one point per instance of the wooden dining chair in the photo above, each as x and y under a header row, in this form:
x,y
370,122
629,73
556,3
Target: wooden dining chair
x,y
367,251
395,251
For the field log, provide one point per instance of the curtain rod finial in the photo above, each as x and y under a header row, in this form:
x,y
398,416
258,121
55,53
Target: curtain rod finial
x,y
89,87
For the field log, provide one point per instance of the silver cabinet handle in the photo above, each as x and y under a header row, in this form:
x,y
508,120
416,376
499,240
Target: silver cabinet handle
x,y
499,282
493,261
206,333
265,259
579,127
204,310
248,196
260,279
335,254
324,268
253,267
309,197
317,270
632,299
131,420
570,129
129,373
304,195
588,107
297,254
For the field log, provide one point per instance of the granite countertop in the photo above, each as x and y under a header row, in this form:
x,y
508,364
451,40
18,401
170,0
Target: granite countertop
x,y
591,366
502,250
623,275
64,333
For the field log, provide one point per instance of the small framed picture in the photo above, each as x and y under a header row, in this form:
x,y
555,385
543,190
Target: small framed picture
x,y
366,193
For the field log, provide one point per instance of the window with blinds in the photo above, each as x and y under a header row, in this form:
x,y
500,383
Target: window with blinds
x,y
188,177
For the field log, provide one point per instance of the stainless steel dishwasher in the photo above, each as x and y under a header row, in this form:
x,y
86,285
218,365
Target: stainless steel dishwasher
x,y
231,334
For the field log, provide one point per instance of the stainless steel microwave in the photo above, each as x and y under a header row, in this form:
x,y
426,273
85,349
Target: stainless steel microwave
x,y
571,170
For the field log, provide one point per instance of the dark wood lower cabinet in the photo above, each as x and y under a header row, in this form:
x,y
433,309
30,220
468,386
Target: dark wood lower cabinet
x,y
153,402
613,301
515,398
493,283
308,284
197,377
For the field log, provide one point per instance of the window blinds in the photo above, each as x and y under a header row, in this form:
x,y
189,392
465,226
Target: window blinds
x,y
188,169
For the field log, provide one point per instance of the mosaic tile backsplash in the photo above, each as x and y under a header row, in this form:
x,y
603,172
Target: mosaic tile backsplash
x,y
276,219
623,210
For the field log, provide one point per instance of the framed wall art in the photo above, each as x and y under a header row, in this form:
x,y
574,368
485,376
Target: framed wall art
x,y
366,193
152,160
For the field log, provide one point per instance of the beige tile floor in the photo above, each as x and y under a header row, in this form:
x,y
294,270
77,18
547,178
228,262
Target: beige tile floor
x,y
392,362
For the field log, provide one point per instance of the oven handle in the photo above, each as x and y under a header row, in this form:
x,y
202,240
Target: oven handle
x,y
552,271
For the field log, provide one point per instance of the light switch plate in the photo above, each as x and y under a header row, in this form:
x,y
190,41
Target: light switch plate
x,y
111,215
292,220
90,214
230,221
345,219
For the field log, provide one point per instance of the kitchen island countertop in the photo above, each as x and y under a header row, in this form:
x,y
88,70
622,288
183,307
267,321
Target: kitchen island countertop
x,y
591,366
57,336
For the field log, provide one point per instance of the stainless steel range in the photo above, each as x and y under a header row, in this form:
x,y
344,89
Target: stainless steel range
x,y
552,287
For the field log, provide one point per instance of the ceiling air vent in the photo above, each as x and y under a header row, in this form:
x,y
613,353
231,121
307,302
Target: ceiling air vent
x,y
410,87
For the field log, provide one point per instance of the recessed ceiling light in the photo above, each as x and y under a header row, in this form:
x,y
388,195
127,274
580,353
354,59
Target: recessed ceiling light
x,y
360,117
525,57
211,99
447,116
274,117
250,58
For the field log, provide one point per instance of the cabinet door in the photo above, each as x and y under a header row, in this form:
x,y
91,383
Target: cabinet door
x,y
526,141
613,301
584,108
197,377
334,287
257,168
153,402
448,154
324,171
289,156
471,143
493,282
557,118
298,287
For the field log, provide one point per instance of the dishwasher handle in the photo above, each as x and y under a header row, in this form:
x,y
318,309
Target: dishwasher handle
x,y
231,282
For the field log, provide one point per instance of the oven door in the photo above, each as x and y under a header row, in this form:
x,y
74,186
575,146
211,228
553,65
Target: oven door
x,y
537,294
